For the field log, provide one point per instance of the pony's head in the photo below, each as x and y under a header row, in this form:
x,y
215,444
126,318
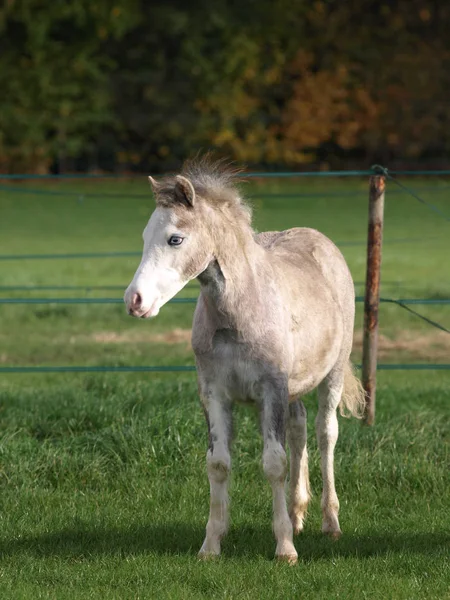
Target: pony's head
x,y
195,212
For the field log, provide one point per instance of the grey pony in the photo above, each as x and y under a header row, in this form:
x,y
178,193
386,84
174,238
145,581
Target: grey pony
x,y
274,320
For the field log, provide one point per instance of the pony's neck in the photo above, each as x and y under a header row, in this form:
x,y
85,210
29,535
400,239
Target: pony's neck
x,y
229,283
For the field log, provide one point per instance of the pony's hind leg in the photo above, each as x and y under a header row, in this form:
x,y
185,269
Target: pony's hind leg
x,y
218,461
275,408
329,392
299,480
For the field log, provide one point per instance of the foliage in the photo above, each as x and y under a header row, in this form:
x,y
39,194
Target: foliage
x,y
144,84
54,77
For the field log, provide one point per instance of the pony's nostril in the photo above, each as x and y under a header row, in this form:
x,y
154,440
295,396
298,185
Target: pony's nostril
x,y
136,301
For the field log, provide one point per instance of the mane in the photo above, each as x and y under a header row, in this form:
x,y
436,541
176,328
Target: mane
x,y
216,178
215,181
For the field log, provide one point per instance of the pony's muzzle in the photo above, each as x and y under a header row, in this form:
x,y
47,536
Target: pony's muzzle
x,y
136,307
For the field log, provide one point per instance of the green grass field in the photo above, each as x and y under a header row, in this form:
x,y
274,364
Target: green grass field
x,y
104,491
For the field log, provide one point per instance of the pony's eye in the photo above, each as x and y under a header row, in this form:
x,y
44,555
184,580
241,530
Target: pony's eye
x,y
175,240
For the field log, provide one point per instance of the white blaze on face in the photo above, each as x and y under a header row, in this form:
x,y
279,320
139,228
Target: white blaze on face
x,y
161,273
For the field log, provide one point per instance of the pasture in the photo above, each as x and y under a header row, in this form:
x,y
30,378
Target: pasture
x,y
104,492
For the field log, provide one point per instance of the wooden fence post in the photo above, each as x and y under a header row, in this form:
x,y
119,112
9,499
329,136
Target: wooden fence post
x,y
372,295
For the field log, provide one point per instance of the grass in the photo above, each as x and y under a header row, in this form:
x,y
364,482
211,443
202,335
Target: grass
x,y
104,492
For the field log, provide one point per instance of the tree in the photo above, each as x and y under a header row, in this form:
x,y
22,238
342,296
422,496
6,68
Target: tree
x,y
54,77
268,82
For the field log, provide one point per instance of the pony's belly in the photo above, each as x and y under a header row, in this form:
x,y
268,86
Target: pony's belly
x,y
299,386
310,369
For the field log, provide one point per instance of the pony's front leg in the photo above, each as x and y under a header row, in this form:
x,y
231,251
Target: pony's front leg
x,y
218,461
275,408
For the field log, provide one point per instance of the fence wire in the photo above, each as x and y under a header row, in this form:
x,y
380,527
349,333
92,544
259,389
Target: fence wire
x,y
376,169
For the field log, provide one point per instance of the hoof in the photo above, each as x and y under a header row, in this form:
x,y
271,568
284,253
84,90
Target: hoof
x,y
210,550
333,535
330,527
290,559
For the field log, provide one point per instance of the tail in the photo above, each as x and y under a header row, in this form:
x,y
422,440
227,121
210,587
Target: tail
x,y
353,397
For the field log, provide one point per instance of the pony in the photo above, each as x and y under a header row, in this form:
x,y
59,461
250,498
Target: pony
x,y
274,320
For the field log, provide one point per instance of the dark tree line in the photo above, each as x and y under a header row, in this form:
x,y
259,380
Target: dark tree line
x,y
135,84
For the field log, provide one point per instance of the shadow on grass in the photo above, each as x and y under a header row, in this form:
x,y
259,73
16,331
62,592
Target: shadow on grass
x,y
183,539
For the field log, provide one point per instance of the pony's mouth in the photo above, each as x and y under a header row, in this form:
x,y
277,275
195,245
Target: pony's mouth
x,y
152,311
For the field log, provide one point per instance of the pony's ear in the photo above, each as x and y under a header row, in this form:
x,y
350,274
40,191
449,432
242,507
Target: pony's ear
x,y
184,191
154,184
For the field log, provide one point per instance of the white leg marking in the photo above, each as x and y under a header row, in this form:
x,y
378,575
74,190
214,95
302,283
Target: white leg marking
x,y
218,463
327,433
299,480
275,467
